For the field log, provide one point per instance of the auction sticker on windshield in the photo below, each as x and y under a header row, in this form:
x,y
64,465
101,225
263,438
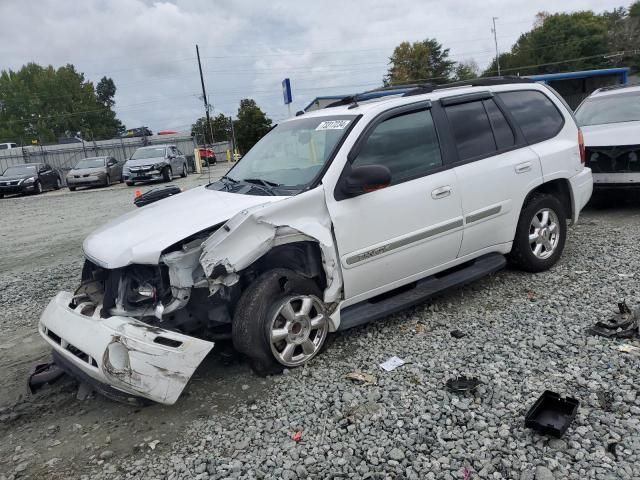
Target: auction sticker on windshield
x,y
333,125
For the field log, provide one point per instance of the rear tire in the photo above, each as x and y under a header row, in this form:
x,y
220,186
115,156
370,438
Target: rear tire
x,y
72,189
275,303
540,235
130,184
167,175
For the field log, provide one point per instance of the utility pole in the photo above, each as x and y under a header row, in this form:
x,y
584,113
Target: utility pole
x,y
233,138
495,40
206,107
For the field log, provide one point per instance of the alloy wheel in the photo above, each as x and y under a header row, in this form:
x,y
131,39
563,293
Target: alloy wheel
x,y
298,330
544,233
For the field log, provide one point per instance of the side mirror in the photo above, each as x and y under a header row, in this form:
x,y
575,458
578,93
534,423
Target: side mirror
x,y
111,163
365,178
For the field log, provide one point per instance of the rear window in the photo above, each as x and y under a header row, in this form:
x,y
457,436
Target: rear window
x,y
535,113
471,129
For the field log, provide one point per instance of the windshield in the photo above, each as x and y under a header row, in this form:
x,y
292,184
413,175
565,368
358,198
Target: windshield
x,y
91,163
20,170
293,153
623,107
148,153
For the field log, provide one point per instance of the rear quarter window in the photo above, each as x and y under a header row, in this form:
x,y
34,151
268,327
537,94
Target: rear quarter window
x,y
538,117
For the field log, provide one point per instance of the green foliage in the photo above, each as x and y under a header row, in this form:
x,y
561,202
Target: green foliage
x,y
560,42
44,103
219,130
419,62
252,124
467,70
634,9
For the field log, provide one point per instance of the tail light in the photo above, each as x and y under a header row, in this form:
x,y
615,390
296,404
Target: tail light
x,y
583,155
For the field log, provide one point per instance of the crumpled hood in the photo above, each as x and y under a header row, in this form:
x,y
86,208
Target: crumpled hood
x,y
141,162
141,235
87,171
612,134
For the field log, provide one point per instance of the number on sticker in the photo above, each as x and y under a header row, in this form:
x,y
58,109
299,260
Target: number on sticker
x,y
333,125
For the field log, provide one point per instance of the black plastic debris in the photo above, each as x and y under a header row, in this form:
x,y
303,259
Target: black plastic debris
x,y
463,384
551,414
457,334
624,324
43,374
611,448
156,194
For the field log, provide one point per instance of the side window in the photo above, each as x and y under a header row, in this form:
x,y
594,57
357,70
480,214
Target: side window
x,y
471,129
537,116
407,145
501,129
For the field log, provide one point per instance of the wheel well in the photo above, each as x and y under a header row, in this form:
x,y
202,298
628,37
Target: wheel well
x,y
558,188
301,257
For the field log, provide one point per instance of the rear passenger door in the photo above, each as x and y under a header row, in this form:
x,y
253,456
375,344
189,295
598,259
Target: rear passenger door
x,y
397,234
494,166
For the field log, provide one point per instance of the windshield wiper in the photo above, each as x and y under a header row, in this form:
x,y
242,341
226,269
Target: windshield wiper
x,y
260,181
229,179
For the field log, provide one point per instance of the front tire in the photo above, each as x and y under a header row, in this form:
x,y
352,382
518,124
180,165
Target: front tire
x,y
72,189
540,235
58,184
130,184
38,188
280,321
167,175
184,171
107,181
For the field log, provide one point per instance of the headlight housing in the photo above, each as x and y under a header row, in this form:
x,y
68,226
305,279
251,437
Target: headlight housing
x,y
159,166
29,180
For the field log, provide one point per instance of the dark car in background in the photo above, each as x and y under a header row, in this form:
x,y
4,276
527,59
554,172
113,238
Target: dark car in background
x,y
95,171
29,178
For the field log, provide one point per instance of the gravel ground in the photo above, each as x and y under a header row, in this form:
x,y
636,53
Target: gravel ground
x,y
524,334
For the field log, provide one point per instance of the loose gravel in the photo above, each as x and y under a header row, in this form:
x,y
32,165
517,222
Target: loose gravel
x,y
524,334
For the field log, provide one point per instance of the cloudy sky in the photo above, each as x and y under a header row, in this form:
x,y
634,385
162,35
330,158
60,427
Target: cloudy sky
x,y
248,46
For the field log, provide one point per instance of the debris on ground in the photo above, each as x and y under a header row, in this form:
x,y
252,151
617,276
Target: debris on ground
x,y
457,333
627,348
44,374
624,324
392,363
463,384
551,414
611,448
361,377
297,437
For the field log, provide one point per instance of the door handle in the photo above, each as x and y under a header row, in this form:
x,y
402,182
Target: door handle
x,y
523,167
441,192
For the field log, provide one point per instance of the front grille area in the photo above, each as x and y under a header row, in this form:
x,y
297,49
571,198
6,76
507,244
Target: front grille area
x,y
619,159
70,348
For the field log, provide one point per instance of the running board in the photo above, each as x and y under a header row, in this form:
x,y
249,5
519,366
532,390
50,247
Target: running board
x,y
383,305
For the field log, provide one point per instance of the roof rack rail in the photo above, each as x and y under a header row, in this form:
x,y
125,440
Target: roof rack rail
x,y
616,87
421,88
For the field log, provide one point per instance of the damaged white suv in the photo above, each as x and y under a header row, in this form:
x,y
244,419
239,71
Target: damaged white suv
x,y
335,218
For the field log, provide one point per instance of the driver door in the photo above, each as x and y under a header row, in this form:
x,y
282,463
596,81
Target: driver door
x,y
395,235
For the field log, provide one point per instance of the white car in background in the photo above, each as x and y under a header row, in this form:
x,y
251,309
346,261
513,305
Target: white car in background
x,y
610,122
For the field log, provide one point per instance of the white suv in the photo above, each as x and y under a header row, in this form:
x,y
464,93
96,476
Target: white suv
x,y
610,121
335,218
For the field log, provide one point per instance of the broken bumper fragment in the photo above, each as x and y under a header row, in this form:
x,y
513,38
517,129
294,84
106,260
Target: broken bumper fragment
x,y
121,352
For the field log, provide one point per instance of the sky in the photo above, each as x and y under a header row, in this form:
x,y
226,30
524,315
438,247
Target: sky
x,y
248,47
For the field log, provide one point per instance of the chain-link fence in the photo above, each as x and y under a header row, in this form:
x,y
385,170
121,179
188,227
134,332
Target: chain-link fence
x,y
63,157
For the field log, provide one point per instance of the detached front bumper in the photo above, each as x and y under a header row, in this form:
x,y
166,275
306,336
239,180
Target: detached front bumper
x,y
121,352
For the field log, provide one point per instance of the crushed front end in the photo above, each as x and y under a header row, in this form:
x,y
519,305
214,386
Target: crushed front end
x,y
127,329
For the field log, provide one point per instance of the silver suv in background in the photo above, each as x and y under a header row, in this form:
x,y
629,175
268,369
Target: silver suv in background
x,y
158,162
610,121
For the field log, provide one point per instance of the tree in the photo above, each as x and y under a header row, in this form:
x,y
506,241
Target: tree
x,y
105,91
251,125
424,61
220,128
634,9
467,70
557,42
43,103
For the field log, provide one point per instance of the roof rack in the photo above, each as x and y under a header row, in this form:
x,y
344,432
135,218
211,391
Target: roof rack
x,y
421,88
616,87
